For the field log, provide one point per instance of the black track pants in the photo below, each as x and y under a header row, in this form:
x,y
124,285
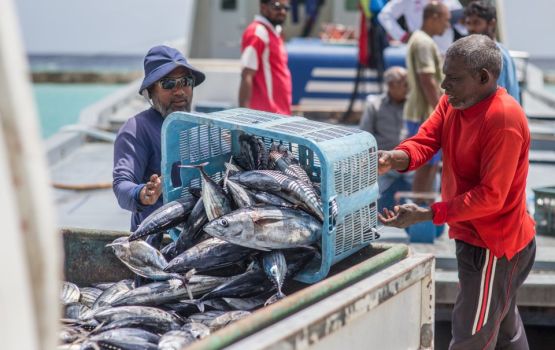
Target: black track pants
x,y
485,315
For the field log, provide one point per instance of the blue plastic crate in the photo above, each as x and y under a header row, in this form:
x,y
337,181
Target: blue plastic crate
x,y
343,159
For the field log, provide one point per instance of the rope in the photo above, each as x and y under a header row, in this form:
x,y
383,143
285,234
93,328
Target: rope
x,y
82,187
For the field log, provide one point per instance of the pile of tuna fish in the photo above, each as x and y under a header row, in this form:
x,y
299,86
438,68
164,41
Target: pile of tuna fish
x,y
240,240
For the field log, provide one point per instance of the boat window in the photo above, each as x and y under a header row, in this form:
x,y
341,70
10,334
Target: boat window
x,y
229,5
351,5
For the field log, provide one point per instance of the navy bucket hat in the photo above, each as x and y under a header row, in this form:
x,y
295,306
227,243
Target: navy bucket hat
x,y
161,60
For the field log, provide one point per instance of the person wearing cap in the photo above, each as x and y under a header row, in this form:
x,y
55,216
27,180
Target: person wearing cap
x,y
265,77
168,86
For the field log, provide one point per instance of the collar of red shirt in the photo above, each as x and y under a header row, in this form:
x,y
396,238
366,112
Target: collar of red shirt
x,y
277,29
479,107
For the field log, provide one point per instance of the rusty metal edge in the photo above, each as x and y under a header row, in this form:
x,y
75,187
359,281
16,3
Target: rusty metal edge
x,y
262,318
104,234
312,324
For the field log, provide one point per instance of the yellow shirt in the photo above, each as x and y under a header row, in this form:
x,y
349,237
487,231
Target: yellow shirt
x,y
422,57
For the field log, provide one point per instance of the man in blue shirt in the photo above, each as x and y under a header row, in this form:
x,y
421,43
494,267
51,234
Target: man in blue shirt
x,y
168,86
481,18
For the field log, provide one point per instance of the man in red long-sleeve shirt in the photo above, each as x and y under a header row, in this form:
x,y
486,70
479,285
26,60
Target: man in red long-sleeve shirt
x,y
484,136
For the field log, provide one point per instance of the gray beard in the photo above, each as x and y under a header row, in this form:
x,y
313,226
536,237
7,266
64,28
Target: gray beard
x,y
165,111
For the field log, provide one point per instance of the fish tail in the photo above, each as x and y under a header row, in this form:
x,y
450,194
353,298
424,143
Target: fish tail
x,y
199,304
227,171
274,298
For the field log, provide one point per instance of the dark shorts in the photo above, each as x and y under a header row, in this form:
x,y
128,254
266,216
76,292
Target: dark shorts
x,y
412,129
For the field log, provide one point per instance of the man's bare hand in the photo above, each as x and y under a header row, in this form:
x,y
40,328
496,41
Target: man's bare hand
x,y
405,215
396,160
151,191
385,162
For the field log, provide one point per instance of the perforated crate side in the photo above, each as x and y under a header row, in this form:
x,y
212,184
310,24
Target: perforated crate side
x,y
329,153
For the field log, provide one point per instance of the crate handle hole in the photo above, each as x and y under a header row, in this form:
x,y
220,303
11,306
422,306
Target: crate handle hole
x,y
175,174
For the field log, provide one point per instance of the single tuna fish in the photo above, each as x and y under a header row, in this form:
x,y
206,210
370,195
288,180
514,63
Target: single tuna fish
x,y
141,258
226,319
204,317
275,267
286,165
247,304
167,216
151,293
251,283
175,340
207,255
266,228
266,198
74,311
192,231
148,323
126,312
187,308
123,338
214,198
294,190
89,296
70,293
115,291
240,196
196,329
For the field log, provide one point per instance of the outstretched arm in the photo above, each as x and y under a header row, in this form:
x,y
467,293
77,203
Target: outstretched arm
x,y
245,89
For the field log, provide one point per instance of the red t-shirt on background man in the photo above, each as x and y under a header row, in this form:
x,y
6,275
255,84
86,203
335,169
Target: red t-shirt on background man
x,y
262,50
485,164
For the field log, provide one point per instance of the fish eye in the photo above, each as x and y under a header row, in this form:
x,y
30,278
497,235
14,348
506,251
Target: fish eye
x,y
224,223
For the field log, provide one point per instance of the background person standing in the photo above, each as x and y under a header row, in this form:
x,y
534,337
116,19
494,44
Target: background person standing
x,y
383,118
424,75
265,78
481,18
412,11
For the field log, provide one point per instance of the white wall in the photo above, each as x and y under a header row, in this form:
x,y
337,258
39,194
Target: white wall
x,y
529,26
101,26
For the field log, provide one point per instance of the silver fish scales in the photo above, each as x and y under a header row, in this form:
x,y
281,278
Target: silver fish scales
x,y
275,267
266,228
141,258
214,198
70,293
285,186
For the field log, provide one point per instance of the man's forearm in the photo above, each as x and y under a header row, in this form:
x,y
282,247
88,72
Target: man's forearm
x,y
399,160
245,91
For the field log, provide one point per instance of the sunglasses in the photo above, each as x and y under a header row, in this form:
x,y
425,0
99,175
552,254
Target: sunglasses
x,y
277,6
172,83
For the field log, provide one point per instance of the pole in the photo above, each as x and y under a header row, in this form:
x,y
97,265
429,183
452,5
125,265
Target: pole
x,y
30,251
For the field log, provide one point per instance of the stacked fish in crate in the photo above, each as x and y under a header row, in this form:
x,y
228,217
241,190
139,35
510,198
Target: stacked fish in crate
x,y
251,199
326,171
